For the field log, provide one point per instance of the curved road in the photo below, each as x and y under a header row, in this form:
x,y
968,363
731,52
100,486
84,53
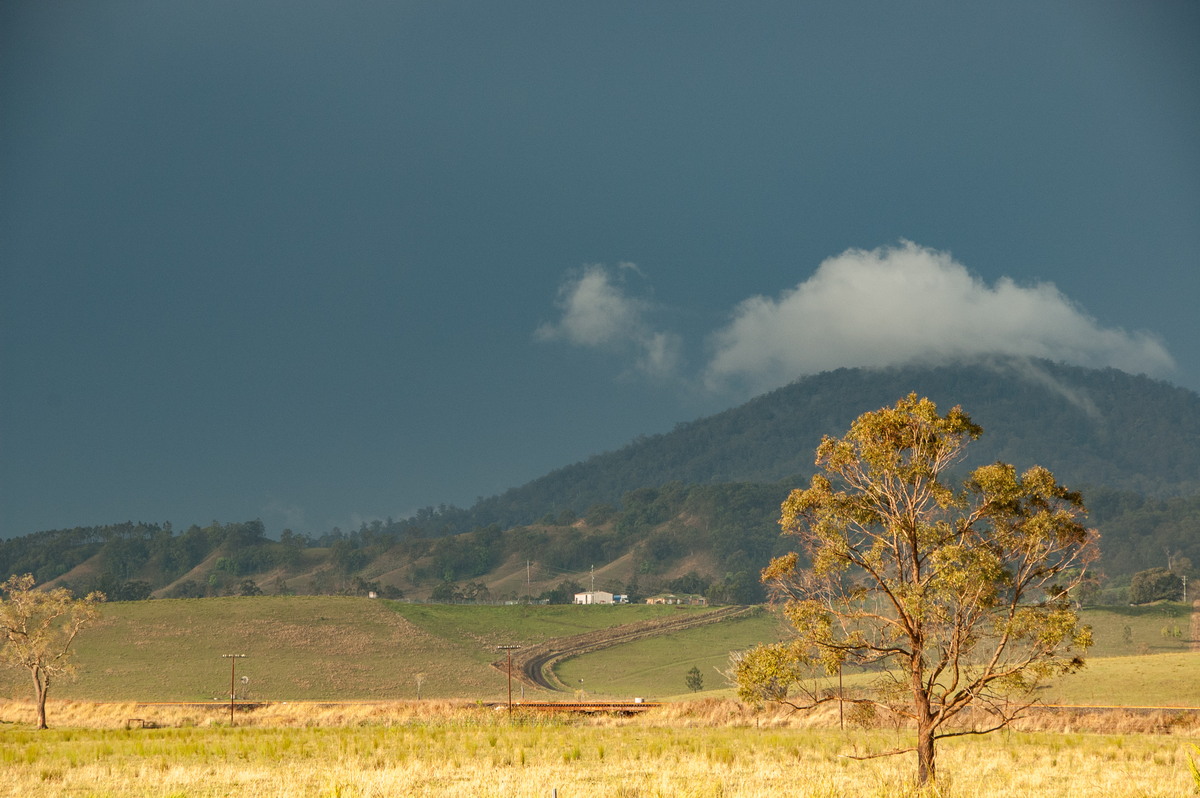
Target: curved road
x,y
534,664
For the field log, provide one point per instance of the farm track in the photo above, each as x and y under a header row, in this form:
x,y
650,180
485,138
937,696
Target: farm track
x,y
534,665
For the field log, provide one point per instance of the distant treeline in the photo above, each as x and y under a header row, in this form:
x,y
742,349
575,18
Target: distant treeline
x,y
734,524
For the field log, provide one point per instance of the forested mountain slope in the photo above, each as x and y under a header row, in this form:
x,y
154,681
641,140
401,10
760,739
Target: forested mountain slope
x,y
1090,427
704,497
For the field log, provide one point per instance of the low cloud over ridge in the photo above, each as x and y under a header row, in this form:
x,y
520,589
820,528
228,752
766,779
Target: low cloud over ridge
x,y
882,307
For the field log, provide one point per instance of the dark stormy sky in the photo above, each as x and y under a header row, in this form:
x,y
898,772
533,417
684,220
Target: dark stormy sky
x,y
320,263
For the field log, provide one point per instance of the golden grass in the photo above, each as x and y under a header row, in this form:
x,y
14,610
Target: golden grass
x,y
698,713
295,714
701,749
707,747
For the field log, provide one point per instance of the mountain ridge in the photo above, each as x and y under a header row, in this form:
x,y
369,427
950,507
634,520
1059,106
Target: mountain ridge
x,y
693,509
773,436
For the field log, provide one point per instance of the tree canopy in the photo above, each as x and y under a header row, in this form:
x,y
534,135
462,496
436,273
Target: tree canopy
x,y
948,597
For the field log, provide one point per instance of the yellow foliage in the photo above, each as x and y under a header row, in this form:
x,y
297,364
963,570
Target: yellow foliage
x,y
962,590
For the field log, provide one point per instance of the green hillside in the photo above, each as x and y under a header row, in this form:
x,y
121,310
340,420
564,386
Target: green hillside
x,y
658,666
337,648
1100,428
309,648
1124,665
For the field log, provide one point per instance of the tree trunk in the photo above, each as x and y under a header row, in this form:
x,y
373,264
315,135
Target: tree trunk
x,y
41,686
926,760
926,753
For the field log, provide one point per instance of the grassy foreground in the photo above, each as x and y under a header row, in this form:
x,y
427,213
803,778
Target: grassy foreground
x,y
389,751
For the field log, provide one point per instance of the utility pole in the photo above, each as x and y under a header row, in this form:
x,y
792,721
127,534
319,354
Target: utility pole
x,y
593,579
509,650
233,658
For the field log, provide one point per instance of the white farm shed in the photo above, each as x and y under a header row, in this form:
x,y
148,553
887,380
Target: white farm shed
x,y
594,597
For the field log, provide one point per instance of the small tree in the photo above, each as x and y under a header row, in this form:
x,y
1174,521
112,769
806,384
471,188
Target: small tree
x,y
695,680
1155,584
446,591
248,587
948,598
38,628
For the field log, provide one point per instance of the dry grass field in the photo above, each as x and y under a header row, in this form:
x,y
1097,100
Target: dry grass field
x,y
702,749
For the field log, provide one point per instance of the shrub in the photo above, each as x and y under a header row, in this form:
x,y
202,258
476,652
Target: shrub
x,y
1155,584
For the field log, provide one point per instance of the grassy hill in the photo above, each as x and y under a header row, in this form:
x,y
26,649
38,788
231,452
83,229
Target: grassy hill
x,y
341,648
1144,664
309,648
658,666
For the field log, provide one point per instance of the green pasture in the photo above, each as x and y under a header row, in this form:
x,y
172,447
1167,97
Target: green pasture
x,y
296,647
1154,680
656,667
343,648
1161,628
1141,657
526,624
308,648
1150,680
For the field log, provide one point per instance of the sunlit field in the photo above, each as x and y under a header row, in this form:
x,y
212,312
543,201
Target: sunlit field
x,y
705,745
709,749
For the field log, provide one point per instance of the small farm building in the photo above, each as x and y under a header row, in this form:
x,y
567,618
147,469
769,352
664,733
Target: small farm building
x,y
594,597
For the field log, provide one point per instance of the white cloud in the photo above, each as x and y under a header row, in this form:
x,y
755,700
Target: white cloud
x,y
597,311
882,307
908,303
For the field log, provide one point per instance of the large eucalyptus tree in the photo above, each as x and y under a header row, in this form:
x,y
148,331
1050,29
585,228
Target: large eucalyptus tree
x,y
948,596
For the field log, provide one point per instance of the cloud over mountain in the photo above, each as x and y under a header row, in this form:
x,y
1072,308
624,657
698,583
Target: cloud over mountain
x,y
906,303
881,307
